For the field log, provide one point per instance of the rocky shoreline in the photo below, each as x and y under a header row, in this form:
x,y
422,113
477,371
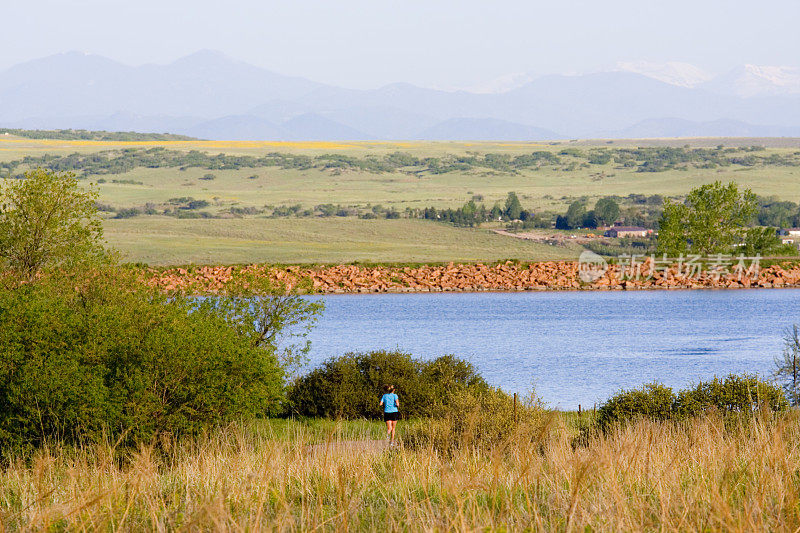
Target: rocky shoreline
x,y
508,276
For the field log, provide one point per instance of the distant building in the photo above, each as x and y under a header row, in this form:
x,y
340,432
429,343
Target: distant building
x,y
627,231
789,236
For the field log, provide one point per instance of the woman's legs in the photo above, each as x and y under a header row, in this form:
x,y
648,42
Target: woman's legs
x,y
392,425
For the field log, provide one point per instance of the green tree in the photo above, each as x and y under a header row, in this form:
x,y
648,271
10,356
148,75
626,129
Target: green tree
x,y
711,220
673,236
513,207
576,214
271,317
47,220
590,220
469,209
764,241
776,213
606,211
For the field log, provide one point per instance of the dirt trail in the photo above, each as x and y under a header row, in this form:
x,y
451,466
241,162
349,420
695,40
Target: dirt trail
x,y
349,448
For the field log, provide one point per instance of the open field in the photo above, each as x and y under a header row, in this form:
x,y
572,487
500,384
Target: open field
x,y
697,476
550,190
165,241
703,142
543,187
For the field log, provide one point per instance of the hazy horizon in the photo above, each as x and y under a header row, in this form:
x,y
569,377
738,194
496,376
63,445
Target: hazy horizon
x,y
447,45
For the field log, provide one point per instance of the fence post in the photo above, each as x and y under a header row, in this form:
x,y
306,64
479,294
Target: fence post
x,y
579,410
515,408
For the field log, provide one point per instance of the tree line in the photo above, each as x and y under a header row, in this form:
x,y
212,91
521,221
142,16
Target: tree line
x,y
651,159
92,135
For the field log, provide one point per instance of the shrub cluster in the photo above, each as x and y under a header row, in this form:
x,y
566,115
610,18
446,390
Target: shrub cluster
x,y
453,406
482,420
350,386
732,395
88,358
652,159
89,135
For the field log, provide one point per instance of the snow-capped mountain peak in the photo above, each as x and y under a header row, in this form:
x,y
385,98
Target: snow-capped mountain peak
x,y
672,72
745,81
756,80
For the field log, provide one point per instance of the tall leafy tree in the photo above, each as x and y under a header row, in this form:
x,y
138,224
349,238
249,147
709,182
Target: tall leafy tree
x,y
46,219
513,206
606,211
270,316
764,241
576,213
711,220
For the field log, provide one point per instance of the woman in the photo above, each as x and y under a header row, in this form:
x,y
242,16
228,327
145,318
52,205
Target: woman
x,y
391,413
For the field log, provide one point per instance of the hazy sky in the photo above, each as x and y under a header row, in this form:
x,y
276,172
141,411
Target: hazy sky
x,y
441,43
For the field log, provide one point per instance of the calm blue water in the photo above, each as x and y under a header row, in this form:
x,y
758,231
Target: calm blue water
x,y
574,347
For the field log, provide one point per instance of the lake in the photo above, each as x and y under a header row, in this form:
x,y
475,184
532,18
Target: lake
x,y
573,347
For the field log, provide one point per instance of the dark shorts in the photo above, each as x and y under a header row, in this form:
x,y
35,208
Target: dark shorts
x,y
391,416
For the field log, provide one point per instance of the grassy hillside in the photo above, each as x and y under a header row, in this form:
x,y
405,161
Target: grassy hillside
x,y
545,186
166,241
441,175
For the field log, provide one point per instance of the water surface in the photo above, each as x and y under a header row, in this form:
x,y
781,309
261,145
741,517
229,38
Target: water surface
x,y
574,347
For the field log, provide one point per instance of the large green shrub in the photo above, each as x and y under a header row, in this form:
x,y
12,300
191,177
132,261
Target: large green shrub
x,y
86,351
734,394
653,401
81,358
350,386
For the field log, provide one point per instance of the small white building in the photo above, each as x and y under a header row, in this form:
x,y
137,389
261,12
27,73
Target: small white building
x,y
627,231
789,236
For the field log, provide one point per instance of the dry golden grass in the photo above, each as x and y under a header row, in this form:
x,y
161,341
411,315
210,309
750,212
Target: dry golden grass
x,y
649,476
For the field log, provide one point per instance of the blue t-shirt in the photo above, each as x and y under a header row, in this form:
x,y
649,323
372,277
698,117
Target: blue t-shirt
x,y
389,403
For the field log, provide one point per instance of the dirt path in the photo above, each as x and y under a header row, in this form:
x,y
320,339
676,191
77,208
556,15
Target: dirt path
x,y
349,448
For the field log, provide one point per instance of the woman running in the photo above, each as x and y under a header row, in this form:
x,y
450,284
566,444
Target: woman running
x,y
391,413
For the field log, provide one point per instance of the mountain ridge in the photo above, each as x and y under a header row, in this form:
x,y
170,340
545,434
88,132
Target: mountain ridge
x,y
208,94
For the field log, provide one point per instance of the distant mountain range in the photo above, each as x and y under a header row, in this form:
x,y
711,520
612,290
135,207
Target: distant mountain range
x,y
212,96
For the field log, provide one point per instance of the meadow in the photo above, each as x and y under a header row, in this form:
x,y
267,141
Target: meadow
x,y
155,408
704,474
169,241
227,192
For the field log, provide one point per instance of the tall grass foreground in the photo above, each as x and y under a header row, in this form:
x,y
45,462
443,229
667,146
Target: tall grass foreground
x,y
693,475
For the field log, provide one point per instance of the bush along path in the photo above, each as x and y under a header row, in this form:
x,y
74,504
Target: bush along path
x,y
508,276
